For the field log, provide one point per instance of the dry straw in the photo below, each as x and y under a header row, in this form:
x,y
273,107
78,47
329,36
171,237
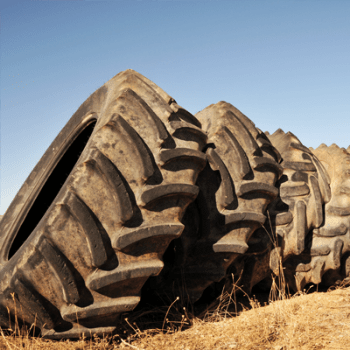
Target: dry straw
x,y
320,320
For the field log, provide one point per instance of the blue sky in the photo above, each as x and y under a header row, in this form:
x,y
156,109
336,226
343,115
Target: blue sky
x,y
285,64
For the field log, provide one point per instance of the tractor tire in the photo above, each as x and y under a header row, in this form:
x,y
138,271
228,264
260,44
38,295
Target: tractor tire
x,y
93,219
236,187
303,191
328,258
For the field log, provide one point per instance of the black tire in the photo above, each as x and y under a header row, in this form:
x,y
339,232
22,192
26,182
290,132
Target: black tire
x,y
303,191
328,258
235,188
93,219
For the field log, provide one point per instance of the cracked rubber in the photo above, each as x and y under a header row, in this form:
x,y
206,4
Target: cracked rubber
x,y
92,221
235,188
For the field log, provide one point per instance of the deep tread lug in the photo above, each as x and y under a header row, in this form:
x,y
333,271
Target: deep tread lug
x,y
148,94
300,228
337,250
331,231
244,216
142,269
243,166
294,189
326,190
299,166
57,262
243,134
322,250
185,115
100,309
300,176
157,193
132,97
123,127
260,187
300,147
77,332
109,171
284,218
317,271
303,268
318,201
338,211
227,193
82,214
264,162
142,233
190,128
231,245
265,145
173,155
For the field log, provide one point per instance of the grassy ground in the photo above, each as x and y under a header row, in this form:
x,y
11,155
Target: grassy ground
x,y
305,321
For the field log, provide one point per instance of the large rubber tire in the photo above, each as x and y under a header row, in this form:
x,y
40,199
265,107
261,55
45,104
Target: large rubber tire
x,y
328,257
93,219
235,188
303,191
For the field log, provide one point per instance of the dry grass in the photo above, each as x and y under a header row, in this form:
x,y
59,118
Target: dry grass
x,y
307,321
320,320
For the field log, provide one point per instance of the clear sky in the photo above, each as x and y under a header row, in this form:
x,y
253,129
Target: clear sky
x,y
285,64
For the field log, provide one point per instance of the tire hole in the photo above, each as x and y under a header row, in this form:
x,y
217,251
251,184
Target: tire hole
x,y
51,187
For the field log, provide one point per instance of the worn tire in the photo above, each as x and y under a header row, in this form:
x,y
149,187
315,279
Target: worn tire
x,y
93,219
327,260
303,191
235,188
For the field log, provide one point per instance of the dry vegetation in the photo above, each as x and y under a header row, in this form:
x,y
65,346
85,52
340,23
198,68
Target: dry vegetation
x,y
305,321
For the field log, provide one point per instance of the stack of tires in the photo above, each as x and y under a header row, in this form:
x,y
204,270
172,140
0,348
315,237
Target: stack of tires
x,y
136,191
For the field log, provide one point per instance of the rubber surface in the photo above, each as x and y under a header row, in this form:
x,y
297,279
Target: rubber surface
x,y
328,258
235,188
92,221
303,191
